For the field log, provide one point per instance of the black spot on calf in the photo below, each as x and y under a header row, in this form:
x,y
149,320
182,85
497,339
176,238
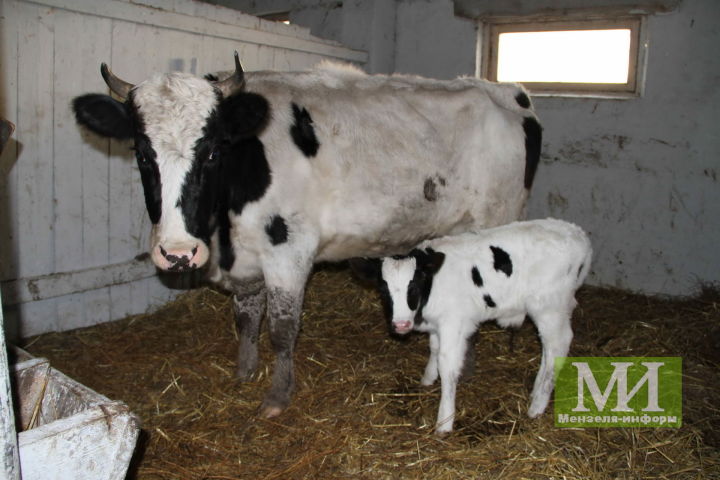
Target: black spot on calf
x,y
277,230
489,301
533,143
303,133
476,278
522,99
501,261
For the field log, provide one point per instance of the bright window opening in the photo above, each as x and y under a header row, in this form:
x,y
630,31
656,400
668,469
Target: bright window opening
x,y
573,56
592,56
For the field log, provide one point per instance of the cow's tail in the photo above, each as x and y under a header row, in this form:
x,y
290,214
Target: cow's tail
x,y
514,97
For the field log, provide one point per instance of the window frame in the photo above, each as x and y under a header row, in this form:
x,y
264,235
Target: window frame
x,y
492,28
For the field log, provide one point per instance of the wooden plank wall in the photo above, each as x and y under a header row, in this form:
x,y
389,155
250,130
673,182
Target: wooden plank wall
x,y
72,214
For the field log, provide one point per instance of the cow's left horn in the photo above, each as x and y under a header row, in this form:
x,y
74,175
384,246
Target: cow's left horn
x,y
120,87
234,81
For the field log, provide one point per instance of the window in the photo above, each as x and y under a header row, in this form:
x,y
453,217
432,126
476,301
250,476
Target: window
x,y
559,56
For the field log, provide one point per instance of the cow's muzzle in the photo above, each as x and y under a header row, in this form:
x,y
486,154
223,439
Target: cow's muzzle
x,y
179,259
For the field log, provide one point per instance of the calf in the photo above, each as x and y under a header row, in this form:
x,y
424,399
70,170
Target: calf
x,y
450,285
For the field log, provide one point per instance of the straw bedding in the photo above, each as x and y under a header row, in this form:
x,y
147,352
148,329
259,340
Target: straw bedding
x,y
359,412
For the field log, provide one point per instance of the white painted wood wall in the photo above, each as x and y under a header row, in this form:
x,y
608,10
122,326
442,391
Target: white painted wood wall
x,y
72,213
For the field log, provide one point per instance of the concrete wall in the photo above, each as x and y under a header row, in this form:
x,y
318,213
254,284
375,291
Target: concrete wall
x,y
639,174
642,175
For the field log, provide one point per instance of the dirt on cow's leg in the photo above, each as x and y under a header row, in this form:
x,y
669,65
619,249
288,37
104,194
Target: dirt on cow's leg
x,y
249,311
284,310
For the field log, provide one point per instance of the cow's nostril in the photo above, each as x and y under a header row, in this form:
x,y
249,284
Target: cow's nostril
x,y
194,251
163,252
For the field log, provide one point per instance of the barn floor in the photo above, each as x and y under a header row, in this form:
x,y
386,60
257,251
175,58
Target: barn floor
x,y
359,412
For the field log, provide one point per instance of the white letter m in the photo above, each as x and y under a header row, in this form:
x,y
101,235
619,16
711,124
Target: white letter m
x,y
619,377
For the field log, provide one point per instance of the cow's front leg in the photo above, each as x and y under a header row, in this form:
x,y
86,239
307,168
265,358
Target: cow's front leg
x,y
286,270
249,310
284,309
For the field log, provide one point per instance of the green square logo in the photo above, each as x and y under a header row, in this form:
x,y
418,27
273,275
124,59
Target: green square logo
x,y
618,392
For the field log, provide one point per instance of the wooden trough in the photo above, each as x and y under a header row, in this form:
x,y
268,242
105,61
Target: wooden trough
x,y
66,430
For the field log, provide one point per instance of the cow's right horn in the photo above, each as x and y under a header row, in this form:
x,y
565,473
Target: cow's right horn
x,y
120,87
234,81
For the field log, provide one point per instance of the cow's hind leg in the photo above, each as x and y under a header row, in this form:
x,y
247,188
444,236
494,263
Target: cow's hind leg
x,y
249,306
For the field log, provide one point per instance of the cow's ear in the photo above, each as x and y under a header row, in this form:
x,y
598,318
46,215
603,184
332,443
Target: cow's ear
x,y
431,261
244,114
366,270
103,115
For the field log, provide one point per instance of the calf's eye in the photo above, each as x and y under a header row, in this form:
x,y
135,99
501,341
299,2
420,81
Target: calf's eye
x,y
413,295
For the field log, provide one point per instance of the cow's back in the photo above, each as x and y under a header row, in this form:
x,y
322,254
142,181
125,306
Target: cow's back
x,y
399,159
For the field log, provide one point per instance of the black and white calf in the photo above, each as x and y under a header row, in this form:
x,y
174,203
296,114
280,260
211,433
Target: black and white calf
x,y
260,175
449,286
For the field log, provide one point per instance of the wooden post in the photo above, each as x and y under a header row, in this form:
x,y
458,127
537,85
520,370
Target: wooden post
x,y
9,457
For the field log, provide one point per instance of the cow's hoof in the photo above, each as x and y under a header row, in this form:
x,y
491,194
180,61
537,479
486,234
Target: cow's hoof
x,y
245,375
270,411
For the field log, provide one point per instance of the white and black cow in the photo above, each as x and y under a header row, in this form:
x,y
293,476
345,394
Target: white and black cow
x,y
262,174
449,286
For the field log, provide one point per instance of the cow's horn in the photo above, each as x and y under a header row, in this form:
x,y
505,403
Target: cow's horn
x,y
120,87
234,81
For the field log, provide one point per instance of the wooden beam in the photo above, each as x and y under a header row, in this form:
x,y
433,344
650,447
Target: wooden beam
x,y
157,17
54,285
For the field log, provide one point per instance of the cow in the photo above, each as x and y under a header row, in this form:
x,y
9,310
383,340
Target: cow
x,y
448,286
257,176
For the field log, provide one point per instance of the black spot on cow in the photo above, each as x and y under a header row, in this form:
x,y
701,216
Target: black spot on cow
x,y
227,253
211,77
229,169
522,99
501,261
303,133
430,190
147,164
489,301
277,230
533,144
476,278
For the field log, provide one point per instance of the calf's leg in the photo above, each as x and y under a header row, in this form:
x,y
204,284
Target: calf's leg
x,y
555,334
431,369
452,346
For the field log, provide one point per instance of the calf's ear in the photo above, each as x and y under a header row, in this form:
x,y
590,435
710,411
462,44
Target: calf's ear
x,y
367,270
244,114
103,115
430,261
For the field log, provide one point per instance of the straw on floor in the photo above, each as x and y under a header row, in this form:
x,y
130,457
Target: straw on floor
x,y
359,412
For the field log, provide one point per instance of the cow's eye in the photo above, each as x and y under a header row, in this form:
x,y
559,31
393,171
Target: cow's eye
x,y
140,157
214,155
